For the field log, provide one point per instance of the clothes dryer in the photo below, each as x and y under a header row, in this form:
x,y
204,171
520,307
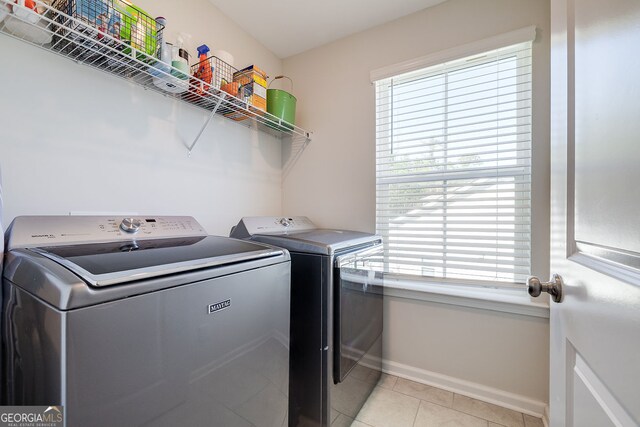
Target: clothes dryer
x,y
336,315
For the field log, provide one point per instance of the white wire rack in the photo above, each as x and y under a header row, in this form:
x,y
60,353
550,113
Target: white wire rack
x,y
77,40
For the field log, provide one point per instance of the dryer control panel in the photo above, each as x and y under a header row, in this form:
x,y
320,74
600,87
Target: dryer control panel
x,y
41,231
251,225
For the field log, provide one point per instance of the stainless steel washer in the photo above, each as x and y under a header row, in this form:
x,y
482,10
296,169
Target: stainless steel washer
x,y
336,315
144,321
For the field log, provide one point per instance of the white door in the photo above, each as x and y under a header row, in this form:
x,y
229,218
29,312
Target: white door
x,y
595,121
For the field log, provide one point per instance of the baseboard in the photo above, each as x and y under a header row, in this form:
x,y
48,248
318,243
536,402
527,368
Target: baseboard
x,y
545,417
496,396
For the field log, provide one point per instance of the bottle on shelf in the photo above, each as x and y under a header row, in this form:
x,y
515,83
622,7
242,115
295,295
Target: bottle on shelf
x,y
204,71
180,60
164,50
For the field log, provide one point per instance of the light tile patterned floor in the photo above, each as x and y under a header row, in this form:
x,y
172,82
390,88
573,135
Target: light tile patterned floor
x,y
397,402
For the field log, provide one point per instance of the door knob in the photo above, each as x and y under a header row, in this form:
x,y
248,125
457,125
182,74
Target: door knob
x,y
553,288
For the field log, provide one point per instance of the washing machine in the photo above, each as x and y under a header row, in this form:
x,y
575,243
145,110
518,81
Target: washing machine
x,y
144,321
336,315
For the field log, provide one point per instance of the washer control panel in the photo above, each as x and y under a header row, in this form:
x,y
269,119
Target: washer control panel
x,y
33,231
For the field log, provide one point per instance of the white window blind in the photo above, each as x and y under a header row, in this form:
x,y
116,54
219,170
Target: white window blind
x,y
453,168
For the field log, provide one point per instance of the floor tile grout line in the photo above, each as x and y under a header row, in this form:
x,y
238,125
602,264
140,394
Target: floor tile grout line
x,y
393,389
454,410
502,407
453,399
435,403
465,413
360,421
409,395
415,418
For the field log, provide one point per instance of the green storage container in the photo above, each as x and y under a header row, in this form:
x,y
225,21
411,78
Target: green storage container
x,y
137,27
282,104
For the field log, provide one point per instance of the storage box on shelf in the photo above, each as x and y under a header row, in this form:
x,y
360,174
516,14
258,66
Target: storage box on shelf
x,y
251,84
253,87
122,41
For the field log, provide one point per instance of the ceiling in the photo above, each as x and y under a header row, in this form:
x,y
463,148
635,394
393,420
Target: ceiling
x,y
288,27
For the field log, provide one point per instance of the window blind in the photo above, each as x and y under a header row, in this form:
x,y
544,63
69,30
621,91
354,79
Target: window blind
x,y
453,168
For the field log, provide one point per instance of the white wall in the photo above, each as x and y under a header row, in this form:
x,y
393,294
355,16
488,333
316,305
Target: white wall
x,y
73,139
495,356
333,182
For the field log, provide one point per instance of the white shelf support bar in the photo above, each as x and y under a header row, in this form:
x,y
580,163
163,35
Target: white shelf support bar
x,y
204,126
297,150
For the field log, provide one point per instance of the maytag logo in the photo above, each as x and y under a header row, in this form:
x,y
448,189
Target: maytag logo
x,y
219,306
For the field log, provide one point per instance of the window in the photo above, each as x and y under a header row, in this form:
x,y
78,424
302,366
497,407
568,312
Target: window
x,y
453,168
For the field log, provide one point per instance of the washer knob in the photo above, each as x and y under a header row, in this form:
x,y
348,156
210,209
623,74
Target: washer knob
x,y
284,222
130,225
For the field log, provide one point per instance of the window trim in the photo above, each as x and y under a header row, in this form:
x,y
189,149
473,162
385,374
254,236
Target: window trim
x,y
498,298
522,35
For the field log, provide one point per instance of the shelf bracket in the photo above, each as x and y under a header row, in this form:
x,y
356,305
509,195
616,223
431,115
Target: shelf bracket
x,y
204,126
298,145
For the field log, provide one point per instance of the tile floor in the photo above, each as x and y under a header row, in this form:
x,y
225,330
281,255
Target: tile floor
x,y
397,402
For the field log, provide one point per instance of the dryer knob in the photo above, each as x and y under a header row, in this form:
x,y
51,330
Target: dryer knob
x,y
130,225
284,222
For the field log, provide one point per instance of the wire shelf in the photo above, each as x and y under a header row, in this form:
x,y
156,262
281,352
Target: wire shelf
x,y
101,48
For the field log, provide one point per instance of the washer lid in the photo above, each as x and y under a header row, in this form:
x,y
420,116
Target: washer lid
x,y
111,263
322,241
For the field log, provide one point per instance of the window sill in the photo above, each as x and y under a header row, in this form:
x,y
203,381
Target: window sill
x,y
515,301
